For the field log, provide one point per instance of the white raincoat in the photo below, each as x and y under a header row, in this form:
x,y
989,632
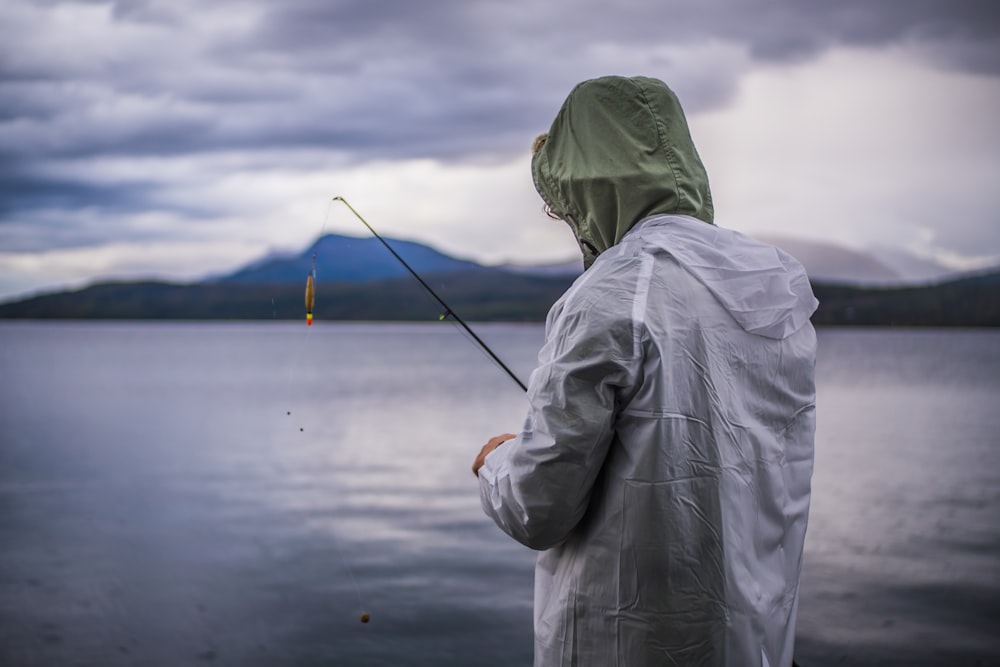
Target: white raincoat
x,y
664,466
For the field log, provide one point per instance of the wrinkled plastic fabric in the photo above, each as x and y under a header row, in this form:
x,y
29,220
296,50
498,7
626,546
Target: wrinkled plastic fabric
x,y
619,151
664,466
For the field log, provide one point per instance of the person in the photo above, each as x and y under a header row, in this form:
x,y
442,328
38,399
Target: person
x,y
664,466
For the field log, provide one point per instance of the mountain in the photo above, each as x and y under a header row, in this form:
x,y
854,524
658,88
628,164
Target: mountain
x,y
572,268
879,265
349,259
358,279
482,295
828,262
914,269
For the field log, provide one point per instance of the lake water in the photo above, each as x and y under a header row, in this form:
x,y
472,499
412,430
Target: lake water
x,y
238,494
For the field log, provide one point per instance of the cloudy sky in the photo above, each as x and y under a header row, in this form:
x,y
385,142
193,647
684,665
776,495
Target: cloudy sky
x,y
178,138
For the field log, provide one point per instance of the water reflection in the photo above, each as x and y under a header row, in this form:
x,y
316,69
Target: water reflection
x,y
160,506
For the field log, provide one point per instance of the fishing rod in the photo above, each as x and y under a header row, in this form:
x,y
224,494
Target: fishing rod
x,y
447,309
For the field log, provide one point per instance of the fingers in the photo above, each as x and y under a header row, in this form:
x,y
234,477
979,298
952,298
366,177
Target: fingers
x,y
500,439
487,448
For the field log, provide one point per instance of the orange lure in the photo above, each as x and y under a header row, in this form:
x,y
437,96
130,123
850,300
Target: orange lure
x,y
310,300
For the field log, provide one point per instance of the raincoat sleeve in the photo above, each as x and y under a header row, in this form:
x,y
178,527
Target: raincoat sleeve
x,y
538,486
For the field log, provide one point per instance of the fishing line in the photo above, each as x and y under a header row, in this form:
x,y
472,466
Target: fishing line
x,y
305,350
448,312
311,279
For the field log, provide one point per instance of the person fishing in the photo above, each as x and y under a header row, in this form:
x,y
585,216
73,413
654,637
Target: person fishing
x,y
664,467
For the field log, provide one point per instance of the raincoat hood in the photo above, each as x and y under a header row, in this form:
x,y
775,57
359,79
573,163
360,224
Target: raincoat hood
x,y
618,151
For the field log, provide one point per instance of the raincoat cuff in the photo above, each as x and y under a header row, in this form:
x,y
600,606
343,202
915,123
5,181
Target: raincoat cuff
x,y
493,465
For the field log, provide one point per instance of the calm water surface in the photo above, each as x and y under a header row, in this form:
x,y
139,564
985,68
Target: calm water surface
x,y
238,494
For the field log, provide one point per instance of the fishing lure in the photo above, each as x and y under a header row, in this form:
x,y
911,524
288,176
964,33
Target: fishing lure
x,y
310,300
311,293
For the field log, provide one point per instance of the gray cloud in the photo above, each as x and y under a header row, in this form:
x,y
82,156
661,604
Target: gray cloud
x,y
383,79
22,192
387,77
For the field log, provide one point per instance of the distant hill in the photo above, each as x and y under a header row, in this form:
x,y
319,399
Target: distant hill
x,y
358,279
912,268
572,268
349,259
878,265
482,295
828,262
972,301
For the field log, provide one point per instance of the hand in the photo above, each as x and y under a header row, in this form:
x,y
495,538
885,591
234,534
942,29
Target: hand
x,y
487,448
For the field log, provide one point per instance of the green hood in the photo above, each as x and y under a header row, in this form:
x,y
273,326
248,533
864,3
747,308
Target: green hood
x,y
619,151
